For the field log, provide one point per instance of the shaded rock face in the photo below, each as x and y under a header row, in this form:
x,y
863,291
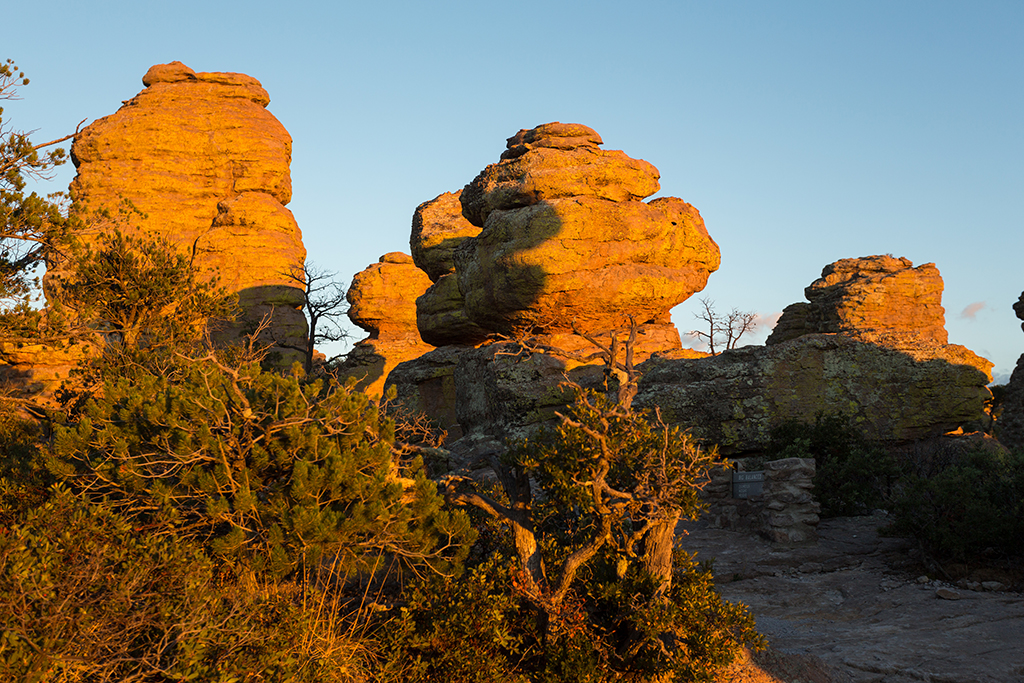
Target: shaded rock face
x,y
381,301
876,299
438,228
200,156
426,385
735,399
1010,426
566,240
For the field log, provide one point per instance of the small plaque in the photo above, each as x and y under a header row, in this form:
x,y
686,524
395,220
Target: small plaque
x,y
747,484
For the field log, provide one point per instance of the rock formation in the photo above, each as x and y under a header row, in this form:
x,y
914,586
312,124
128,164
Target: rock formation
x,y
870,344
567,242
734,399
874,299
1018,308
1010,424
208,166
552,240
438,228
33,372
381,302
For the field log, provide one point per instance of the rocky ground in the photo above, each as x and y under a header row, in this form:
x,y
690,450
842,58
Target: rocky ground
x,y
856,608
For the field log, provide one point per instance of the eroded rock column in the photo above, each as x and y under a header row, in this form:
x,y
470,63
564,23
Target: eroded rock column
x,y
207,165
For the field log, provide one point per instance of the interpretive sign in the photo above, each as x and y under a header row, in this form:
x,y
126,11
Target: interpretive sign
x,y
747,484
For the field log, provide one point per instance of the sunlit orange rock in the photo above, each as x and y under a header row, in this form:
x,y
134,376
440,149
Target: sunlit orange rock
x,y
553,161
438,227
568,243
382,301
881,300
207,165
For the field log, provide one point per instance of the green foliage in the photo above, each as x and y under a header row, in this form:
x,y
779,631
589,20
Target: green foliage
x,y
610,598
474,628
652,468
966,506
483,627
86,595
274,469
30,225
852,476
140,292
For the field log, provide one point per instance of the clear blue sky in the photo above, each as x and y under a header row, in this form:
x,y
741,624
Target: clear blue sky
x,y
804,132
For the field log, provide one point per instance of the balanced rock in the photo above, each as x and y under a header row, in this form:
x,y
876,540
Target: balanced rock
x,y
554,248
207,165
381,301
567,242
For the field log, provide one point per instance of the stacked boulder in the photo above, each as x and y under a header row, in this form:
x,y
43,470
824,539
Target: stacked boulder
x,y
1010,426
879,299
438,228
568,244
207,165
548,246
870,344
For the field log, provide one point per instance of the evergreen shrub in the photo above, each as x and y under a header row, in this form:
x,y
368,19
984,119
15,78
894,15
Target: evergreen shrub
x,y
852,476
966,507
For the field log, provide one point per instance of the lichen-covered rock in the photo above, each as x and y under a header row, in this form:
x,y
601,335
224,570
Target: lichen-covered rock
x,y
734,399
583,262
426,385
382,302
875,298
548,173
438,227
869,344
567,242
441,315
207,165
881,300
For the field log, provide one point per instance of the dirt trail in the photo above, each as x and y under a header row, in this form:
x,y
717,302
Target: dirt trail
x,y
851,609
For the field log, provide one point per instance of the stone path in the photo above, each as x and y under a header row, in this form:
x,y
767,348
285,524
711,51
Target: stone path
x,y
854,602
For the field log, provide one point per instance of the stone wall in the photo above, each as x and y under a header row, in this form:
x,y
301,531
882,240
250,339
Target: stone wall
x,y
785,512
